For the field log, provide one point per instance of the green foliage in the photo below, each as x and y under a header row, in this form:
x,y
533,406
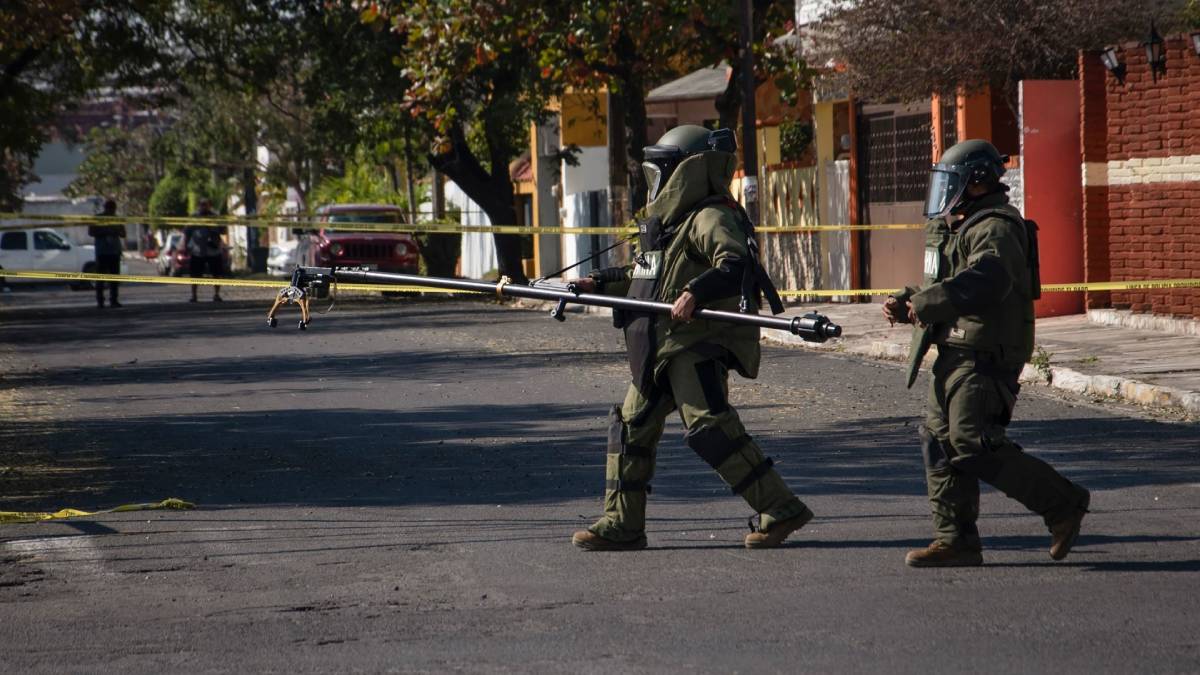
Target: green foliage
x,y
52,53
123,164
795,137
1191,14
179,194
170,196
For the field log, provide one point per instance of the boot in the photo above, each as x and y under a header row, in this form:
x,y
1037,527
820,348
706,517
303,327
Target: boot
x,y
773,537
938,554
1064,533
589,541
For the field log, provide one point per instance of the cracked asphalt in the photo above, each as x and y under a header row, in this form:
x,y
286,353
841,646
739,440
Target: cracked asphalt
x,y
394,490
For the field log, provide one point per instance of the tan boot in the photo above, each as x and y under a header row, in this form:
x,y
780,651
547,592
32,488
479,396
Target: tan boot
x,y
589,541
1064,533
774,537
938,554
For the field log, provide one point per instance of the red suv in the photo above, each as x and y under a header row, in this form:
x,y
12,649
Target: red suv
x,y
383,251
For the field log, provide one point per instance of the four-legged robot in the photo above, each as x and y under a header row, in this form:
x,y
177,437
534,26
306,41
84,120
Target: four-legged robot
x,y
294,293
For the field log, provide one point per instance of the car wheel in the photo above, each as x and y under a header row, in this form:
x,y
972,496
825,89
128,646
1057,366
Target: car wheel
x,y
88,268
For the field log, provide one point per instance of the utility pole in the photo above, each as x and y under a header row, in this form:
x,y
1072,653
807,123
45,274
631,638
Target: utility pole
x,y
749,124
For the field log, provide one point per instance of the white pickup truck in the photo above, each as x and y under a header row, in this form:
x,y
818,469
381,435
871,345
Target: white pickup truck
x,y
44,250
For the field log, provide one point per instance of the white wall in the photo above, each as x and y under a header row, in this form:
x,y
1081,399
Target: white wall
x,y
591,174
478,250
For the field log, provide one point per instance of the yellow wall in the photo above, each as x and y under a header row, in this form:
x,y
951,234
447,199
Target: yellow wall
x,y
582,119
826,141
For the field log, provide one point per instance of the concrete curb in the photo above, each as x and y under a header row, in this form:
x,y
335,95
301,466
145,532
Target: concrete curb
x,y
1057,377
1123,318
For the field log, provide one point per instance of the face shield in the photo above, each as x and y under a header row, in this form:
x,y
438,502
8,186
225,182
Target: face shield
x,y
661,161
947,184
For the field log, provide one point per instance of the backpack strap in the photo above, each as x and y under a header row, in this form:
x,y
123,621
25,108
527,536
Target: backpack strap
x,y
756,283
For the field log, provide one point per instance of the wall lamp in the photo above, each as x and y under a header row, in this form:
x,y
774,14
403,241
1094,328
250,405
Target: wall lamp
x,y
1156,53
1196,42
1114,65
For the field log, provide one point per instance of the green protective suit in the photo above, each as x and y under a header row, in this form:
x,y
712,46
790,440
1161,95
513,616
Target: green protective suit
x,y
692,360
977,306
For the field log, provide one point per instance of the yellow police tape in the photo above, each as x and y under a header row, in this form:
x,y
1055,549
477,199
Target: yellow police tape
x,y
445,227
1093,286
205,281
173,503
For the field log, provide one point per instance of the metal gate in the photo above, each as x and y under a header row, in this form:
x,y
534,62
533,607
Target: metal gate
x,y
896,151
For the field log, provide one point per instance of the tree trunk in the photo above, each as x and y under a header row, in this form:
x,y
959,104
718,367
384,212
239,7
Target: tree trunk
x,y
492,192
729,102
635,116
440,250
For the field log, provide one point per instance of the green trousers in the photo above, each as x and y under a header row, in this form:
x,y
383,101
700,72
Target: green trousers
x,y
698,387
971,400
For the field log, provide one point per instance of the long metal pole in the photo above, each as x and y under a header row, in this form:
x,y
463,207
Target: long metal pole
x,y
812,327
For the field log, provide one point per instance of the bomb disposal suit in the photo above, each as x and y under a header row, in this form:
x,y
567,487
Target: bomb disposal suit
x,y
694,238
976,305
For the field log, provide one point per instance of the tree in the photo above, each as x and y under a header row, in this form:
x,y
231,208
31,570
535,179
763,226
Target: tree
x,y
470,75
125,164
906,50
52,52
630,47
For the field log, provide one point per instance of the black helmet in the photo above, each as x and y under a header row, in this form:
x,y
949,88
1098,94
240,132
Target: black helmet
x,y
970,162
677,145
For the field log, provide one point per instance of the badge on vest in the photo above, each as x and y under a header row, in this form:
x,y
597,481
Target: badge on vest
x,y
647,265
958,333
933,262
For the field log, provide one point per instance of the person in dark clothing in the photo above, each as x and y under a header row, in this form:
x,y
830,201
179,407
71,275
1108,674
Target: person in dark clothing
x,y
203,245
108,253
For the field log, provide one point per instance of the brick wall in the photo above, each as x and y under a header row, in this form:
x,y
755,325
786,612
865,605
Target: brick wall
x,y
1141,153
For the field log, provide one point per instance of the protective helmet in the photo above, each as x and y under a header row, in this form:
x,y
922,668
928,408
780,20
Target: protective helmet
x,y
967,163
677,145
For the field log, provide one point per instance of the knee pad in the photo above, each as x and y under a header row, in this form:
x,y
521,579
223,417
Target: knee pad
x,y
625,475
715,447
932,450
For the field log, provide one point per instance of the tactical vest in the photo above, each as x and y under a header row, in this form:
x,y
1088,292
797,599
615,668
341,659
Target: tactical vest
x,y
659,247
1007,329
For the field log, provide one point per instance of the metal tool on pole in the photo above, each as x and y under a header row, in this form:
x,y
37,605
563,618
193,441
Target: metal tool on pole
x,y
310,282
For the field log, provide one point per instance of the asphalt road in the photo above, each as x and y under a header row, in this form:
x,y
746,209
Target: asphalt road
x,y
395,489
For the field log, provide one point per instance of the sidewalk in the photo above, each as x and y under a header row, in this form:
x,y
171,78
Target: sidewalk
x,y
1100,354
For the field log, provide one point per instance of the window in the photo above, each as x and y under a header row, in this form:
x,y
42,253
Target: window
x,y
48,241
14,241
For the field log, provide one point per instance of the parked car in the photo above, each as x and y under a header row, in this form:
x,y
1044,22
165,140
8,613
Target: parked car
x,y
174,259
383,251
166,254
282,259
44,249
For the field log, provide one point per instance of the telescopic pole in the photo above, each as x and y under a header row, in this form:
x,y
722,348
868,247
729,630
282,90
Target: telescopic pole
x,y
811,327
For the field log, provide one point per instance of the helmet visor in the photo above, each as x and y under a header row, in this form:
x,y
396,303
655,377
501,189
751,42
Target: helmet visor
x,y
945,191
654,179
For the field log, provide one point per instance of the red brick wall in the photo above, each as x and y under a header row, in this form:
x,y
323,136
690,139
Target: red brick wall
x,y
1142,184
1093,101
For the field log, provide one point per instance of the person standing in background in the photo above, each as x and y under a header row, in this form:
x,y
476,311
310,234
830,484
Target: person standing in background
x,y
108,253
203,245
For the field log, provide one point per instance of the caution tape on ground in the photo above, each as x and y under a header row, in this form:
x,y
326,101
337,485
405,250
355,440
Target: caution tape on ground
x,y
1092,286
173,503
42,220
